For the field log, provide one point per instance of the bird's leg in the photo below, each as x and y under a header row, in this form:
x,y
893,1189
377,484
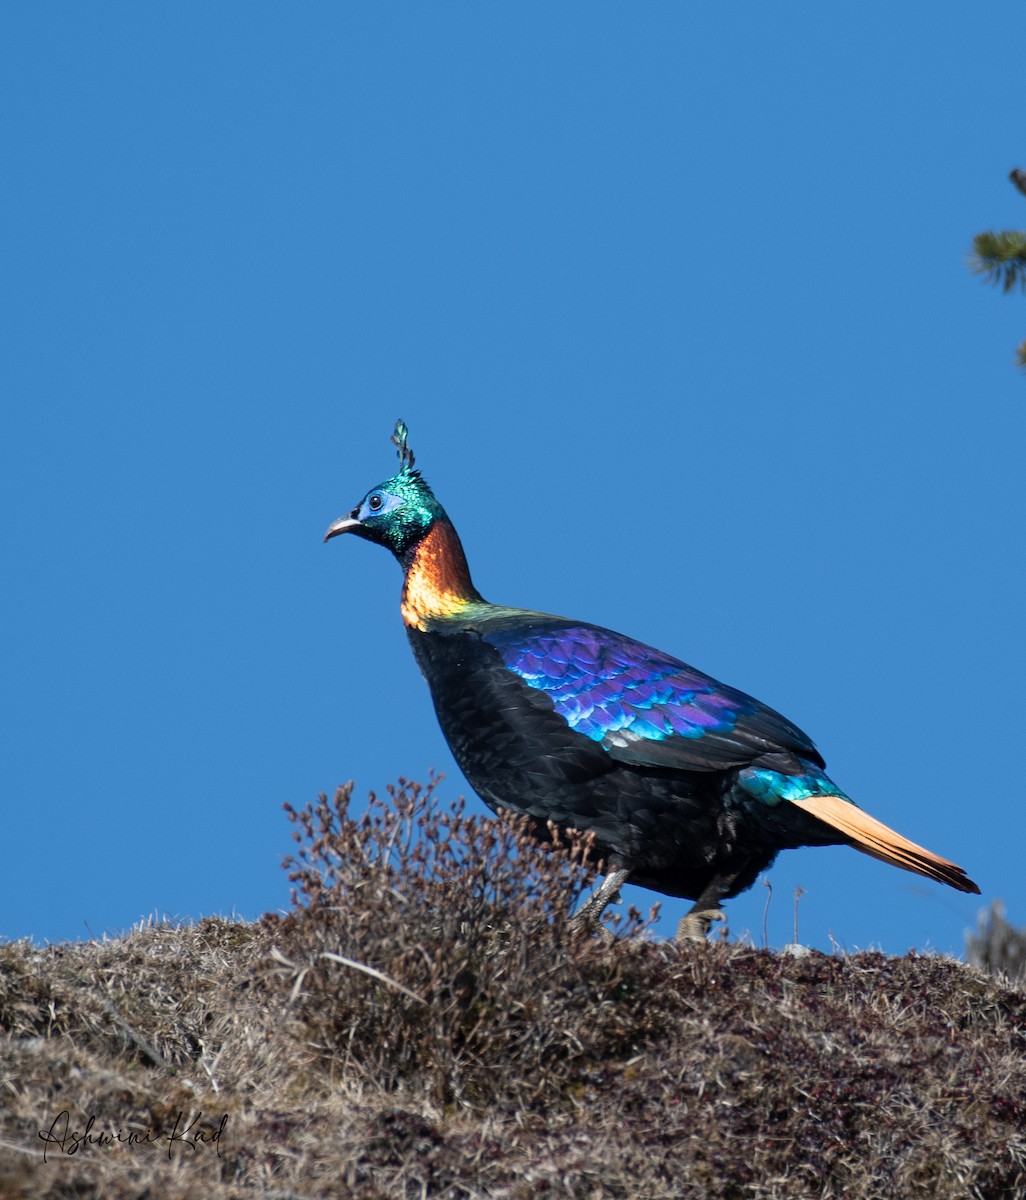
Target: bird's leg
x,y
695,923
593,908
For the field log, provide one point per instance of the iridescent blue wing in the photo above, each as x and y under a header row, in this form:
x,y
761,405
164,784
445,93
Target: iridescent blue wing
x,y
643,706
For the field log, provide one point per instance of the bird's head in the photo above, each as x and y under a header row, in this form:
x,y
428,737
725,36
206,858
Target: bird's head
x,y
396,513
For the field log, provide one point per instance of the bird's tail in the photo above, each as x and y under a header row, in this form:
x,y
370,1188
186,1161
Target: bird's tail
x,y
873,837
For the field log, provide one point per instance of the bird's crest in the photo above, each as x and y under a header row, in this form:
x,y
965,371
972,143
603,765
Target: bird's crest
x,y
399,436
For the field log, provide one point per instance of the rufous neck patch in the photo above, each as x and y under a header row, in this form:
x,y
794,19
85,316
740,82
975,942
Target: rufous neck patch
x,y
438,582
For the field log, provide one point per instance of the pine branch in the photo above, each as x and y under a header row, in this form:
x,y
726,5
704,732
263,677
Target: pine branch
x,y
1001,257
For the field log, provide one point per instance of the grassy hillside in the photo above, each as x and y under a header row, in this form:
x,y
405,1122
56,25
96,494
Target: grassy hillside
x,y
421,1025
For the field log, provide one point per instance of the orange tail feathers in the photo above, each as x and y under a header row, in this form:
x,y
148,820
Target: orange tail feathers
x,y
873,837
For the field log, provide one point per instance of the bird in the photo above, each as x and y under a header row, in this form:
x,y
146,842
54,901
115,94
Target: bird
x,y
680,783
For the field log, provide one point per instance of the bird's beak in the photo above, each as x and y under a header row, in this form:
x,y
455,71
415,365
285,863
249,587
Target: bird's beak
x,y
342,525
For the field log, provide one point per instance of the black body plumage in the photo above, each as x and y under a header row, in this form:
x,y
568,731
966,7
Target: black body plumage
x,y
673,828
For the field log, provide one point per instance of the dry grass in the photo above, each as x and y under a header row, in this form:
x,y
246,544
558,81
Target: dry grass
x,y
423,1024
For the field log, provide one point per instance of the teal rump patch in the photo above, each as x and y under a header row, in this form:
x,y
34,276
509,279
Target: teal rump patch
x,y
773,786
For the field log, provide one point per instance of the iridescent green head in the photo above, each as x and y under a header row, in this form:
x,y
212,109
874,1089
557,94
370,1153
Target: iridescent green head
x,y
396,513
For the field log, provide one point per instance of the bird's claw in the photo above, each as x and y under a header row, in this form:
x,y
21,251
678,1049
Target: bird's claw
x,y
589,927
694,926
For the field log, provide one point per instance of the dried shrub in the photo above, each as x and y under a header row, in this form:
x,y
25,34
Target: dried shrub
x,y
997,946
520,1061
432,948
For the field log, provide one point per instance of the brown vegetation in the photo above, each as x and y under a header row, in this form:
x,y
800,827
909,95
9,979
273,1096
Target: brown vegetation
x,y
423,1024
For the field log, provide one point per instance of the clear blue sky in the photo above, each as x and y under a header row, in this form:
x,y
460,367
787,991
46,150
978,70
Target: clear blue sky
x,y
673,300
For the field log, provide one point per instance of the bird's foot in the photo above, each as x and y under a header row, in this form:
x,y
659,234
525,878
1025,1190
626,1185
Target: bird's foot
x,y
694,926
591,928
591,912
